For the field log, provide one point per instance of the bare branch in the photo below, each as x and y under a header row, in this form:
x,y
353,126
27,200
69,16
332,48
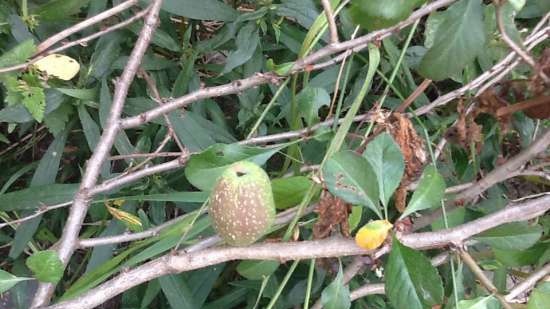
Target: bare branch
x,y
282,218
516,48
331,22
510,167
83,41
478,272
84,24
205,93
69,238
137,175
528,283
146,155
41,210
492,75
336,247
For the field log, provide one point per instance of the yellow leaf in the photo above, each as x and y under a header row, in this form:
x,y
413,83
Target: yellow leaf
x,y
130,220
60,66
373,234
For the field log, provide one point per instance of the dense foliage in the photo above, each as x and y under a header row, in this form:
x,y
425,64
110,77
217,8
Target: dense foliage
x,y
439,124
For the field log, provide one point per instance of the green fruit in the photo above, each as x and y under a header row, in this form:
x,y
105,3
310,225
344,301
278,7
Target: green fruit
x,y
377,14
241,205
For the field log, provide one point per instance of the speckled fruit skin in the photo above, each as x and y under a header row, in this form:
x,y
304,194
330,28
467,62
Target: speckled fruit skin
x,y
241,204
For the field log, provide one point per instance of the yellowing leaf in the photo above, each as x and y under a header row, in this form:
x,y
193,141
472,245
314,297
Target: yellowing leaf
x,y
131,221
373,234
60,66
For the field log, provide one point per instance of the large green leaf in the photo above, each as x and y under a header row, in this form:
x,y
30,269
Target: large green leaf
x,y
511,236
289,191
46,266
516,258
203,169
177,292
203,9
540,297
428,194
336,295
257,270
309,101
18,54
411,280
59,9
351,177
386,159
247,40
459,39
488,302
7,280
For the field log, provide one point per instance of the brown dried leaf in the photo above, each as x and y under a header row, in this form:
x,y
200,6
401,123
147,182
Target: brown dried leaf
x,y
412,147
333,213
466,131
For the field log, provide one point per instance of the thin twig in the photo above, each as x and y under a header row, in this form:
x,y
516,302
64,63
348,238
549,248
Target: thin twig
x,y
84,24
157,98
528,283
515,47
501,173
83,41
337,247
488,78
146,155
282,218
40,211
331,22
69,239
478,272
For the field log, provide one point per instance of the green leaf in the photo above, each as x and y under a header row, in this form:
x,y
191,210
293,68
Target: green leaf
x,y
82,94
459,39
488,302
290,191
411,280
46,266
386,159
257,270
516,258
309,101
18,54
60,9
34,197
511,236
336,295
7,280
92,278
355,217
540,297
203,169
429,193
34,101
247,40
517,4
203,9
177,292
351,177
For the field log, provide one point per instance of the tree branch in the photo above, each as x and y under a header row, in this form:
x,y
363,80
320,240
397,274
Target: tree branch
x,y
336,247
69,238
331,22
492,75
528,283
516,48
